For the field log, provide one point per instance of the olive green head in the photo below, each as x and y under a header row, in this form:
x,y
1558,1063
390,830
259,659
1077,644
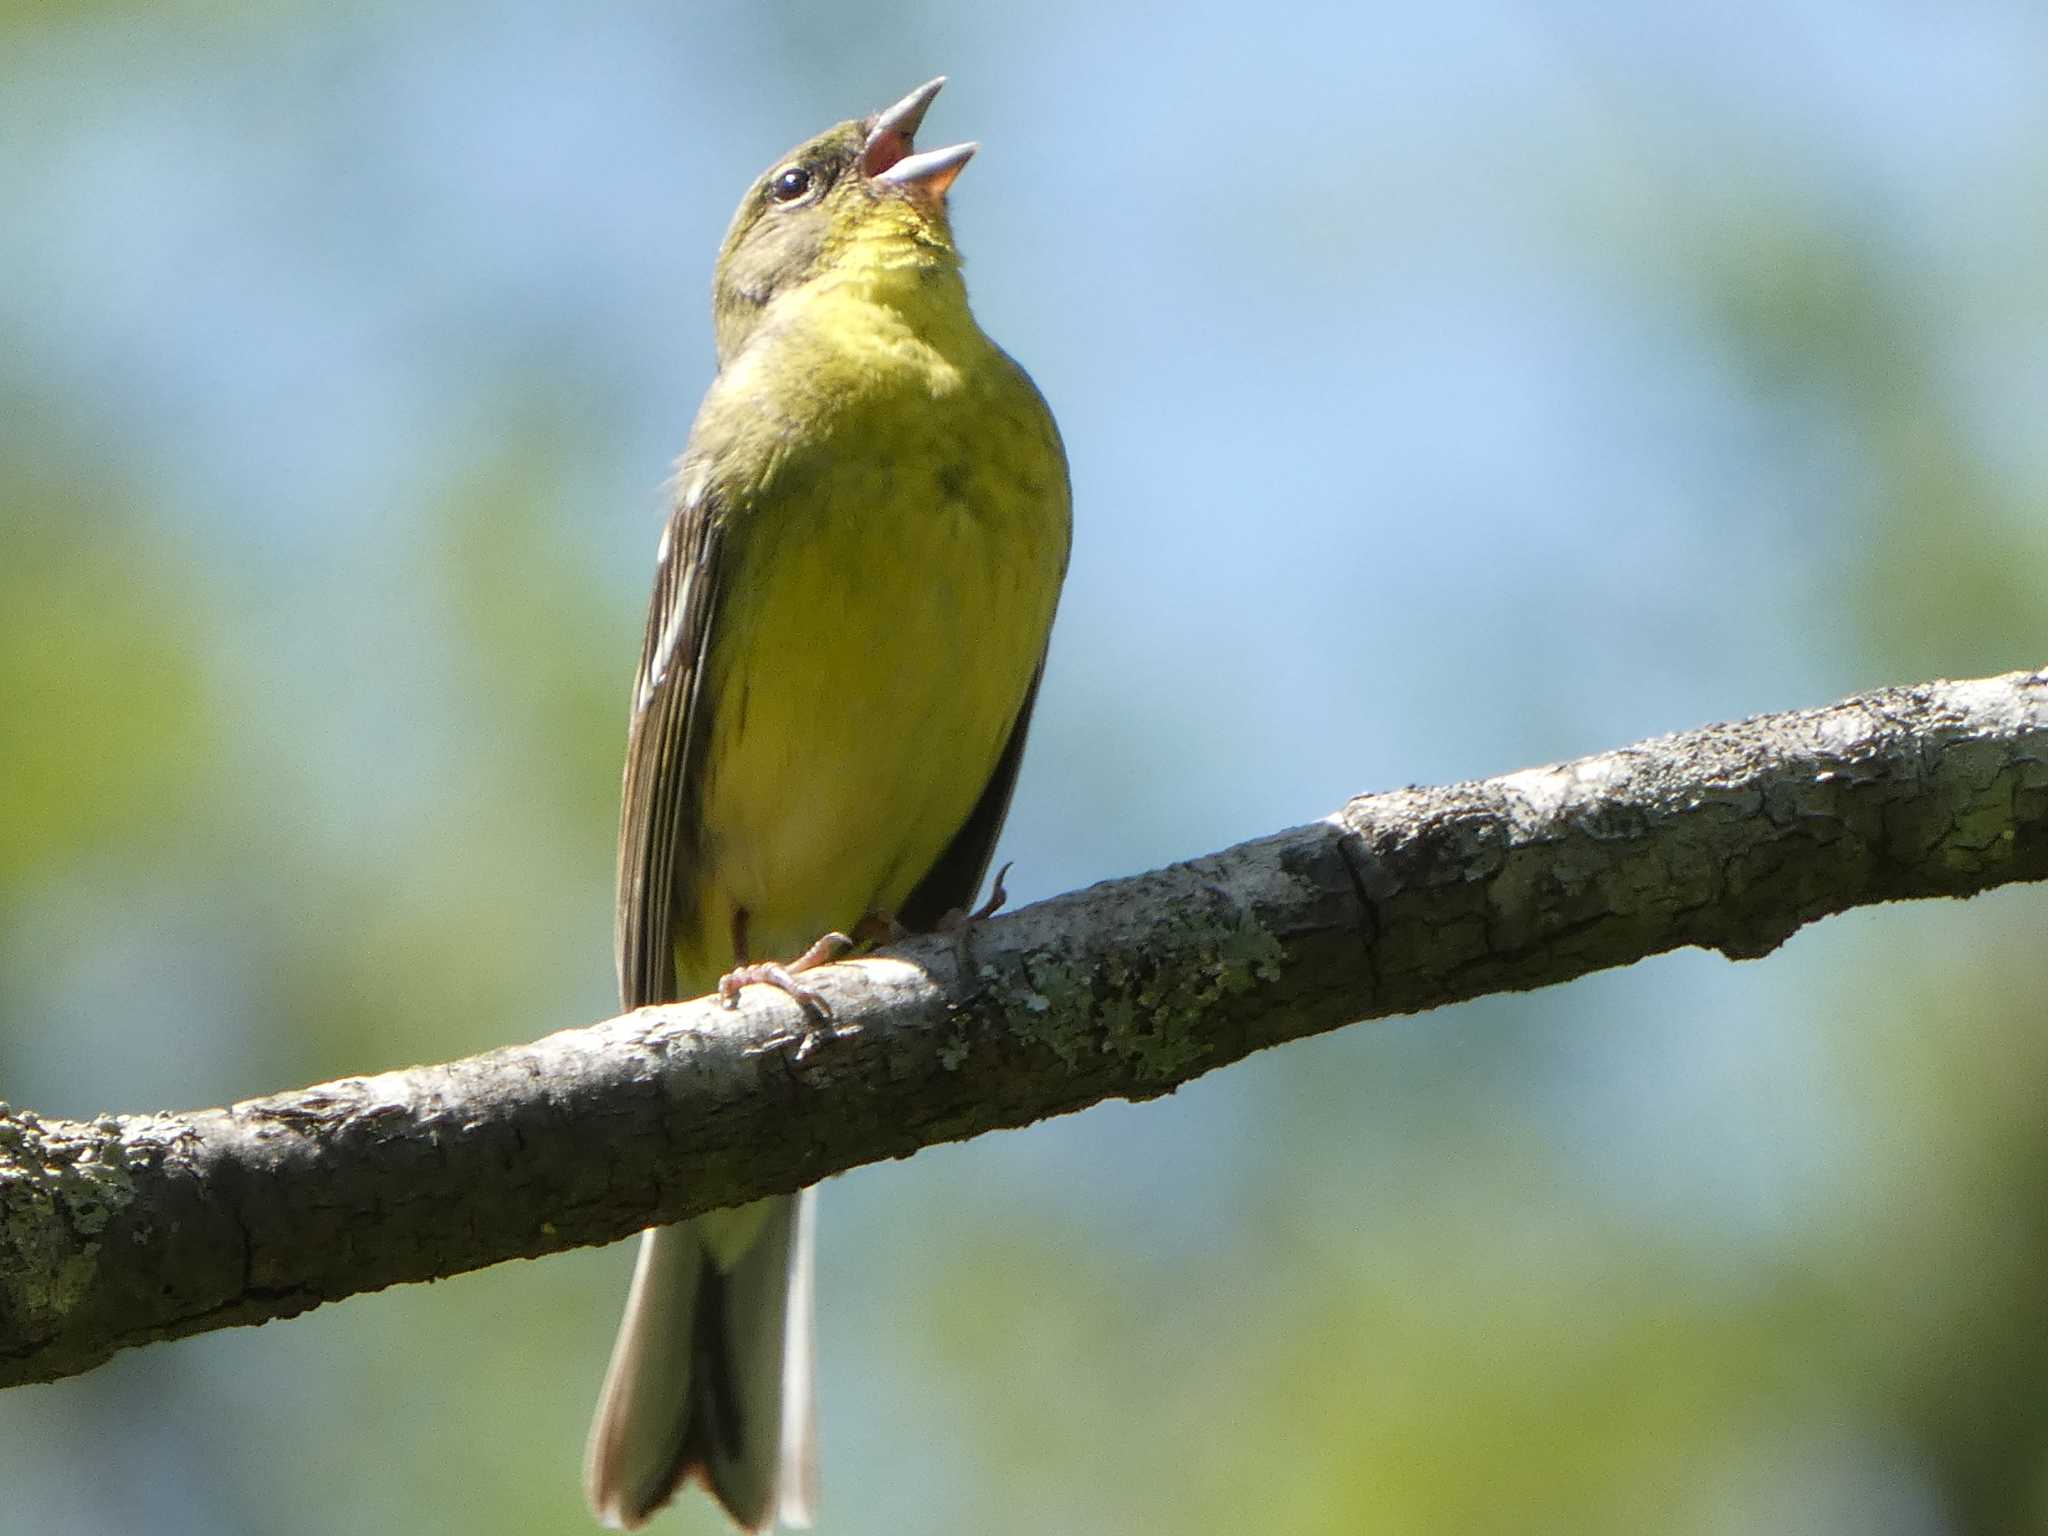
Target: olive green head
x,y
856,195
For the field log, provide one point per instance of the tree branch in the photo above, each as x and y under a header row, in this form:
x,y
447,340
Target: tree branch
x,y
129,1229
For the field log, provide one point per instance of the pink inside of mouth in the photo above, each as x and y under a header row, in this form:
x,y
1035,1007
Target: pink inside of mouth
x,y
882,151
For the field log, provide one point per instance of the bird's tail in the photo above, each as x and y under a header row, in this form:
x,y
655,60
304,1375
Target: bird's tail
x,y
711,1374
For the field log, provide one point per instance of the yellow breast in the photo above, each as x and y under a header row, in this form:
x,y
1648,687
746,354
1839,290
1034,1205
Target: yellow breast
x,y
891,563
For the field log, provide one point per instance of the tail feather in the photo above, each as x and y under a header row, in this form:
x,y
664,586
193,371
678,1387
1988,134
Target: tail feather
x,y
711,1372
799,1473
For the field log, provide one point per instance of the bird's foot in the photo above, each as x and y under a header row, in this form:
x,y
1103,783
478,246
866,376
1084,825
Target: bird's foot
x,y
783,976
959,920
961,924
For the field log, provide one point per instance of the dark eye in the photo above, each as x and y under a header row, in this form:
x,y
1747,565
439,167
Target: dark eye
x,y
790,185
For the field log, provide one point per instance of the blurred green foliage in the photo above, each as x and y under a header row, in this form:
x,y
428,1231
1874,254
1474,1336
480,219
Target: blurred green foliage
x,y
103,665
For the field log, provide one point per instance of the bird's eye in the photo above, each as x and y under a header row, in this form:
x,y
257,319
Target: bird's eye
x,y
790,184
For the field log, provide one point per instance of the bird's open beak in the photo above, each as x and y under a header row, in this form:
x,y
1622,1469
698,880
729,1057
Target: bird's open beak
x,y
887,154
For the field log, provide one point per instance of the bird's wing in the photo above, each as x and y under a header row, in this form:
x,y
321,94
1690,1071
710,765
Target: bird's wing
x,y
949,886
658,814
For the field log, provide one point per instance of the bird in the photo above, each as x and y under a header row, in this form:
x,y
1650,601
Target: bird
x,y
869,527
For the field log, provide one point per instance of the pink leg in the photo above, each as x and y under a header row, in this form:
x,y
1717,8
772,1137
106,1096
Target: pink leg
x,y
781,976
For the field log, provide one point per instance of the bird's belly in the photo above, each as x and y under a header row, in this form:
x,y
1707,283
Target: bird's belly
x,y
866,678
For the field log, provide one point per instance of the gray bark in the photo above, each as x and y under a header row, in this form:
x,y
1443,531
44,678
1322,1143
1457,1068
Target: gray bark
x,y
129,1229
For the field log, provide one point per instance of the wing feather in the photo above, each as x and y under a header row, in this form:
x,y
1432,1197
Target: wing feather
x,y
952,882
658,817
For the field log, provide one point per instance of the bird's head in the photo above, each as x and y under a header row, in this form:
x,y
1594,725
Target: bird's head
x,y
857,195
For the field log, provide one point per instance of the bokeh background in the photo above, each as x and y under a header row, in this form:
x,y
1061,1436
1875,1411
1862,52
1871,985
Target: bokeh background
x,y
1448,389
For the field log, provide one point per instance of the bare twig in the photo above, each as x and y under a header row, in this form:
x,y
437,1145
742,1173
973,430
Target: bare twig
x,y
130,1229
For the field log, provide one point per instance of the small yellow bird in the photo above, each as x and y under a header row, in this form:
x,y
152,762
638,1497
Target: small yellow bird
x,y
851,607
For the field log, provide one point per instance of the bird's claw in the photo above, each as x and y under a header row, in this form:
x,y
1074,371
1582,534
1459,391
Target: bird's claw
x,y
783,977
959,920
998,893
